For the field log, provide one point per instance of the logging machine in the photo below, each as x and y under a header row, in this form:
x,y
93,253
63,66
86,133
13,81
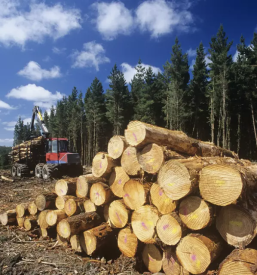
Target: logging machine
x,y
47,157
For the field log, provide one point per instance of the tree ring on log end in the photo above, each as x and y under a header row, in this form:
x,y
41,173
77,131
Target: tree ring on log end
x,y
127,242
152,258
129,161
63,229
116,146
118,213
135,133
117,180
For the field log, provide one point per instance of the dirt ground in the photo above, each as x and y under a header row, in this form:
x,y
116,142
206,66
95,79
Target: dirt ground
x,y
27,253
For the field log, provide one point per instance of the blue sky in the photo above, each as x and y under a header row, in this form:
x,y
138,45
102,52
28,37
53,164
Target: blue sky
x,y
47,48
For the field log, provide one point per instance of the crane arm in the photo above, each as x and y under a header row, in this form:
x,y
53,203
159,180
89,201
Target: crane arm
x,y
40,120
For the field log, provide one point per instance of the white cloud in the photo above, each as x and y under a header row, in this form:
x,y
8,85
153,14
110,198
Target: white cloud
x,y
20,24
46,59
6,141
113,19
40,96
9,126
192,64
92,56
33,71
161,17
58,50
191,52
130,71
4,105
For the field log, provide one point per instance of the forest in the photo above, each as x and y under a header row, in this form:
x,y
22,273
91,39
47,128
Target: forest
x,y
218,104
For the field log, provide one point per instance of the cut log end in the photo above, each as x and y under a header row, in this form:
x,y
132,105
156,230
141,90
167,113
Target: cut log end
x,y
9,217
118,213
127,242
100,194
89,206
21,210
30,223
60,201
152,258
20,221
74,206
117,180
32,208
45,201
75,243
66,187
116,146
63,229
129,161
135,133
102,165
55,216
42,219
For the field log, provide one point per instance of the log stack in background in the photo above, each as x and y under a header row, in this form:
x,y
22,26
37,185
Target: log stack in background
x,y
181,205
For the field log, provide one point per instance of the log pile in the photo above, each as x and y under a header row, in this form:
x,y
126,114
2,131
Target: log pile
x,y
180,205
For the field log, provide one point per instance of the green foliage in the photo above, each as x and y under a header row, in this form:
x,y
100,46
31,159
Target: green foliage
x,y
4,160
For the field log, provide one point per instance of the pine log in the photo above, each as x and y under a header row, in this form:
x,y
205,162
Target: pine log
x,y
239,262
118,213
75,243
61,200
102,165
45,201
136,193
94,239
117,180
152,157
127,242
32,208
20,221
89,206
129,162
116,146
30,223
22,210
65,187
84,184
48,232
74,225
143,222
55,216
8,217
100,194
74,206
171,264
159,199
169,229
195,252
196,213
62,241
42,219
152,258
139,134
236,226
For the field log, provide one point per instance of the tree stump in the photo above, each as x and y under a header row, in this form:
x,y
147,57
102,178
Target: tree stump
x,y
93,239
129,161
118,213
84,184
195,213
61,200
32,208
152,258
236,226
30,223
45,201
8,217
116,146
117,181
102,165
220,184
159,199
89,206
195,252
143,222
75,243
100,194
21,210
55,216
77,224
65,187
127,242
74,206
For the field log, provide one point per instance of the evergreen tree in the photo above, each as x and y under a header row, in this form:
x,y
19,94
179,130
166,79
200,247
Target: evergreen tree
x,y
46,120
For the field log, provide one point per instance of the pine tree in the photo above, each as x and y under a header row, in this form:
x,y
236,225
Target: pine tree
x,y
46,119
52,123
89,127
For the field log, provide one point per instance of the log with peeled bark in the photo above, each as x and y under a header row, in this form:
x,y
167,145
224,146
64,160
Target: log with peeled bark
x,y
129,162
152,157
239,262
20,221
139,134
75,243
236,226
84,184
169,229
22,210
74,225
65,187
30,223
118,213
45,201
100,193
136,193
89,206
127,242
152,258
196,213
196,252
102,165
159,199
8,217
42,219
93,239
32,208
61,200
143,223
117,180
116,146
74,206
171,264
55,216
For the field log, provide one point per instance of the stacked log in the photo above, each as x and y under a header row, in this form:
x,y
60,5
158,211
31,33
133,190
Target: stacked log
x,y
172,201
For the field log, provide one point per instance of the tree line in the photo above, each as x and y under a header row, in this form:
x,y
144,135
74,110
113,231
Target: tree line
x,y
217,104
